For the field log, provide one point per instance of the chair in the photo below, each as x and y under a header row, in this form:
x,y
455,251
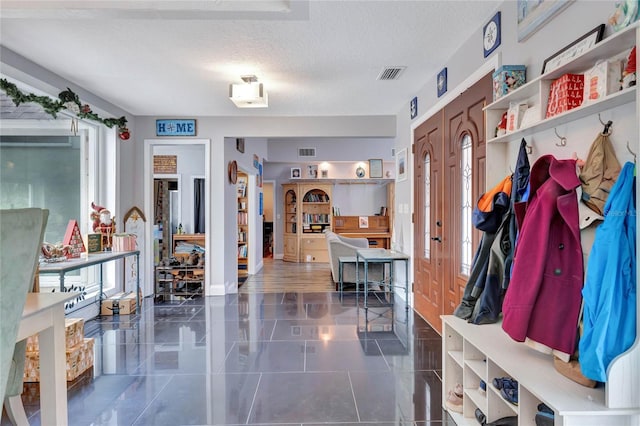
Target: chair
x,y
21,235
339,246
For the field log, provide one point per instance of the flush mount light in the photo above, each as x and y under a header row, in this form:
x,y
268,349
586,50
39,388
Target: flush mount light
x,y
249,94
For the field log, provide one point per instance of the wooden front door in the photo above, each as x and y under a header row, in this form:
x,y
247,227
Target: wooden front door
x,y
428,262
449,162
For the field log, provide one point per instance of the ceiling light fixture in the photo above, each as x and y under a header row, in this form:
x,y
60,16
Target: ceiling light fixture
x,y
250,94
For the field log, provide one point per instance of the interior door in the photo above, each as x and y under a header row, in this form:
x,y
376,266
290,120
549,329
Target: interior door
x,y
449,164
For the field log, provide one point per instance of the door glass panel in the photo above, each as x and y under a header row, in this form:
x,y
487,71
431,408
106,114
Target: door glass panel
x,y
466,203
427,206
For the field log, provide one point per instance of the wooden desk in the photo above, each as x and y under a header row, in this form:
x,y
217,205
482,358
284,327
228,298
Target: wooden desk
x,y
43,314
377,230
92,259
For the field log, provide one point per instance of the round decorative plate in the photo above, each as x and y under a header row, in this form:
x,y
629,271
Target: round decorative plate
x,y
360,172
233,172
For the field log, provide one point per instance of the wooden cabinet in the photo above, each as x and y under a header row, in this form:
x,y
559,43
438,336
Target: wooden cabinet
x,y
307,214
313,248
243,224
290,233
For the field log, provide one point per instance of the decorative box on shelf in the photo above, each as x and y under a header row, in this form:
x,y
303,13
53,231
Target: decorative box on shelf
x,y
565,93
508,78
602,80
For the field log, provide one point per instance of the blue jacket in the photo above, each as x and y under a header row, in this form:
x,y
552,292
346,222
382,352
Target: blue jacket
x,y
609,293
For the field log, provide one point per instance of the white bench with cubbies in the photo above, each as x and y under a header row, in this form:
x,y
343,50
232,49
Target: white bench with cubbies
x,y
483,352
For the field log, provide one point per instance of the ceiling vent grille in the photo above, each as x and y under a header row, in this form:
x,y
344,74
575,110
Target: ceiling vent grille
x,y
391,73
306,152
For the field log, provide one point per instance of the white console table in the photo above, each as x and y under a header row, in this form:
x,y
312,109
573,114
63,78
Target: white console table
x,y
92,259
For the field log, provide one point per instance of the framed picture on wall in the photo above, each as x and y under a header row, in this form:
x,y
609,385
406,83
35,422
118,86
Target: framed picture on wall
x,y
295,173
312,171
533,15
375,168
401,165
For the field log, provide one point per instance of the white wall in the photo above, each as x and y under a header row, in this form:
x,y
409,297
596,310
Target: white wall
x,y
334,149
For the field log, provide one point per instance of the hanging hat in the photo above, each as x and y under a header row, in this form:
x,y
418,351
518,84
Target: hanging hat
x,y
599,173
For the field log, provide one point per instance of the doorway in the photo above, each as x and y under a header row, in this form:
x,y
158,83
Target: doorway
x,y
449,164
166,214
192,158
268,234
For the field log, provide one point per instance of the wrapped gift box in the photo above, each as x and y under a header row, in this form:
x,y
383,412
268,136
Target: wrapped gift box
x,y
79,359
119,304
74,333
565,93
508,78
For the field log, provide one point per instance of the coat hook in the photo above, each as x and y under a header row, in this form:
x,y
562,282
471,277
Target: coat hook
x,y
529,149
607,125
632,153
563,140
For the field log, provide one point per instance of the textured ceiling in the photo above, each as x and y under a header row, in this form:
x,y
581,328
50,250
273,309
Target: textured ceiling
x,y
178,57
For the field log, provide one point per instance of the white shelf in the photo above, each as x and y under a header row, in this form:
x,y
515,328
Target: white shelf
x,y
456,356
616,99
610,46
479,367
478,399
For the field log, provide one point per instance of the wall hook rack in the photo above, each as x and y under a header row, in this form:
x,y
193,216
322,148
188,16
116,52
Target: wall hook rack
x,y
563,140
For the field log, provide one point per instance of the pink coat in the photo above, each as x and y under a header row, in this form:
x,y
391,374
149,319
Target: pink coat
x,y
544,295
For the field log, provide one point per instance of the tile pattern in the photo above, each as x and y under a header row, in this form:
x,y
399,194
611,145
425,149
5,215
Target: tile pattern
x,y
262,358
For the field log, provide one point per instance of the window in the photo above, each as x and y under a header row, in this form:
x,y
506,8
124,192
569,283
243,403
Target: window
x,y
466,227
42,171
43,165
427,206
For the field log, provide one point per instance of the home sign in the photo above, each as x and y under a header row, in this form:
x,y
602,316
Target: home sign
x,y
176,127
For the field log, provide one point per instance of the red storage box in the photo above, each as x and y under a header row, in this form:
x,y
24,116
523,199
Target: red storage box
x,y
565,93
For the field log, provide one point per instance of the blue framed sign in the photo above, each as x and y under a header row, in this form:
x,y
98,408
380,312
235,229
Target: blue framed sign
x,y
441,82
176,127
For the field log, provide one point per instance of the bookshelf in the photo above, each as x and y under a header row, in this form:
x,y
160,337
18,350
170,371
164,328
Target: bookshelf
x,y
243,224
307,214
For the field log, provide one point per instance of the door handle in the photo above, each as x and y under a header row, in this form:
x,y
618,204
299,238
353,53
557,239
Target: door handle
x,y
438,239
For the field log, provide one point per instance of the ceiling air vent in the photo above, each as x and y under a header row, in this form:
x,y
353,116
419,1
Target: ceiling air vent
x,y
391,73
306,152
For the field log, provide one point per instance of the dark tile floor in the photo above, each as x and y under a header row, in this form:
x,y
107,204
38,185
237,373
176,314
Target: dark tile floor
x,y
262,358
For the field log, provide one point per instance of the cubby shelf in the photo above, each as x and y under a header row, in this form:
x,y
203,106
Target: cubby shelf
x,y
538,381
536,91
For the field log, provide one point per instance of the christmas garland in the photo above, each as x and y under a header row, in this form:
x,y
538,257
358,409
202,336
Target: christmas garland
x,y
66,100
